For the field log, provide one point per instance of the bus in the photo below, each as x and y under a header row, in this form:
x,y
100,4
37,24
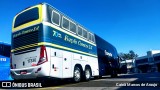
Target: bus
x,y
5,50
48,43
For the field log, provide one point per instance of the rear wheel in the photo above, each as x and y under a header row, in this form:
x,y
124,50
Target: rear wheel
x,y
77,74
87,75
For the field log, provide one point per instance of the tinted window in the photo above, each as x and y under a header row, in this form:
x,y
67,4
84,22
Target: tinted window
x,y
55,18
27,16
73,27
5,50
150,59
85,34
79,31
142,61
65,23
93,40
156,58
89,36
1,49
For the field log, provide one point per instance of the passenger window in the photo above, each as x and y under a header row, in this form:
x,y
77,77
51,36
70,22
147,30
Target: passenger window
x,y
55,18
85,33
93,40
65,23
89,36
79,31
73,27
2,48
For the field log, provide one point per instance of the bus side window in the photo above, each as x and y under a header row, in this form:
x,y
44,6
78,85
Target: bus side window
x,y
85,34
93,39
65,23
1,48
73,27
79,31
55,18
89,36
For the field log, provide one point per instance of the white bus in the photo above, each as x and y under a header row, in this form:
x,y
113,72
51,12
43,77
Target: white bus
x,y
47,43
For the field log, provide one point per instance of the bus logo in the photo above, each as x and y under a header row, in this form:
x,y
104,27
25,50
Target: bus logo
x,y
107,53
6,84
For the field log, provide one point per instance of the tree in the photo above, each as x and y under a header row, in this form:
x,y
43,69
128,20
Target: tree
x,y
130,55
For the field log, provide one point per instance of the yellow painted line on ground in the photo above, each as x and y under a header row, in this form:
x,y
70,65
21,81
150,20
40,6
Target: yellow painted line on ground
x,y
61,86
49,88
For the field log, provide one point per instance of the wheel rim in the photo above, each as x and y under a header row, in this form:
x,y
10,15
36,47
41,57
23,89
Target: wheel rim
x,y
77,75
87,73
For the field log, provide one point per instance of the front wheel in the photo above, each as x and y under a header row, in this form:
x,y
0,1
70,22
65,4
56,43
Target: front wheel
x,y
77,74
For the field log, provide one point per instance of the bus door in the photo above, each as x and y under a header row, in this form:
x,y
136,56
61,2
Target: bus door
x,y
66,64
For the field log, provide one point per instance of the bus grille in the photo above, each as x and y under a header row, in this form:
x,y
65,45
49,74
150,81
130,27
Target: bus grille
x,y
27,39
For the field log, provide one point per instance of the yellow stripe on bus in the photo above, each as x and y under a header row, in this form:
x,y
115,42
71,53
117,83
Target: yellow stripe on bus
x,y
24,47
29,23
66,48
50,44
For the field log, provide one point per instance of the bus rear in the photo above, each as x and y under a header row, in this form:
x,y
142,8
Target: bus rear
x,y
28,58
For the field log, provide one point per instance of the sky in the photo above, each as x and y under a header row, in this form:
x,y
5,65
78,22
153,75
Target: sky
x,y
126,24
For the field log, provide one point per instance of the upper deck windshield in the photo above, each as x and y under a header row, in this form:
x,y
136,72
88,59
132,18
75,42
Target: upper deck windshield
x,y
25,27
27,16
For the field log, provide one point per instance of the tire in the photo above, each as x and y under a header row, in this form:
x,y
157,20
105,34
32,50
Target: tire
x,y
87,74
77,74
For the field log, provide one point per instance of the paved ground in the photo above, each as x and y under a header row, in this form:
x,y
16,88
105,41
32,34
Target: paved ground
x,y
149,81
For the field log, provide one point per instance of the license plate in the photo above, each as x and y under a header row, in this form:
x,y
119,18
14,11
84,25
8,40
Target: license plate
x,y
31,60
23,72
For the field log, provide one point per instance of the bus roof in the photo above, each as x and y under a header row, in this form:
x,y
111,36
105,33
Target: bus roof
x,y
68,17
4,43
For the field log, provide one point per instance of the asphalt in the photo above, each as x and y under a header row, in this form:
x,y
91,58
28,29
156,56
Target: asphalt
x,y
134,81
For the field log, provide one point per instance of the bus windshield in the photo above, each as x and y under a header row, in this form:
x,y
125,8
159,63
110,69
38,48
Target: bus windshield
x,y
5,50
26,16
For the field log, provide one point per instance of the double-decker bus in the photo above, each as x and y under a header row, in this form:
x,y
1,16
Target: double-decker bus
x,y
5,50
47,43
